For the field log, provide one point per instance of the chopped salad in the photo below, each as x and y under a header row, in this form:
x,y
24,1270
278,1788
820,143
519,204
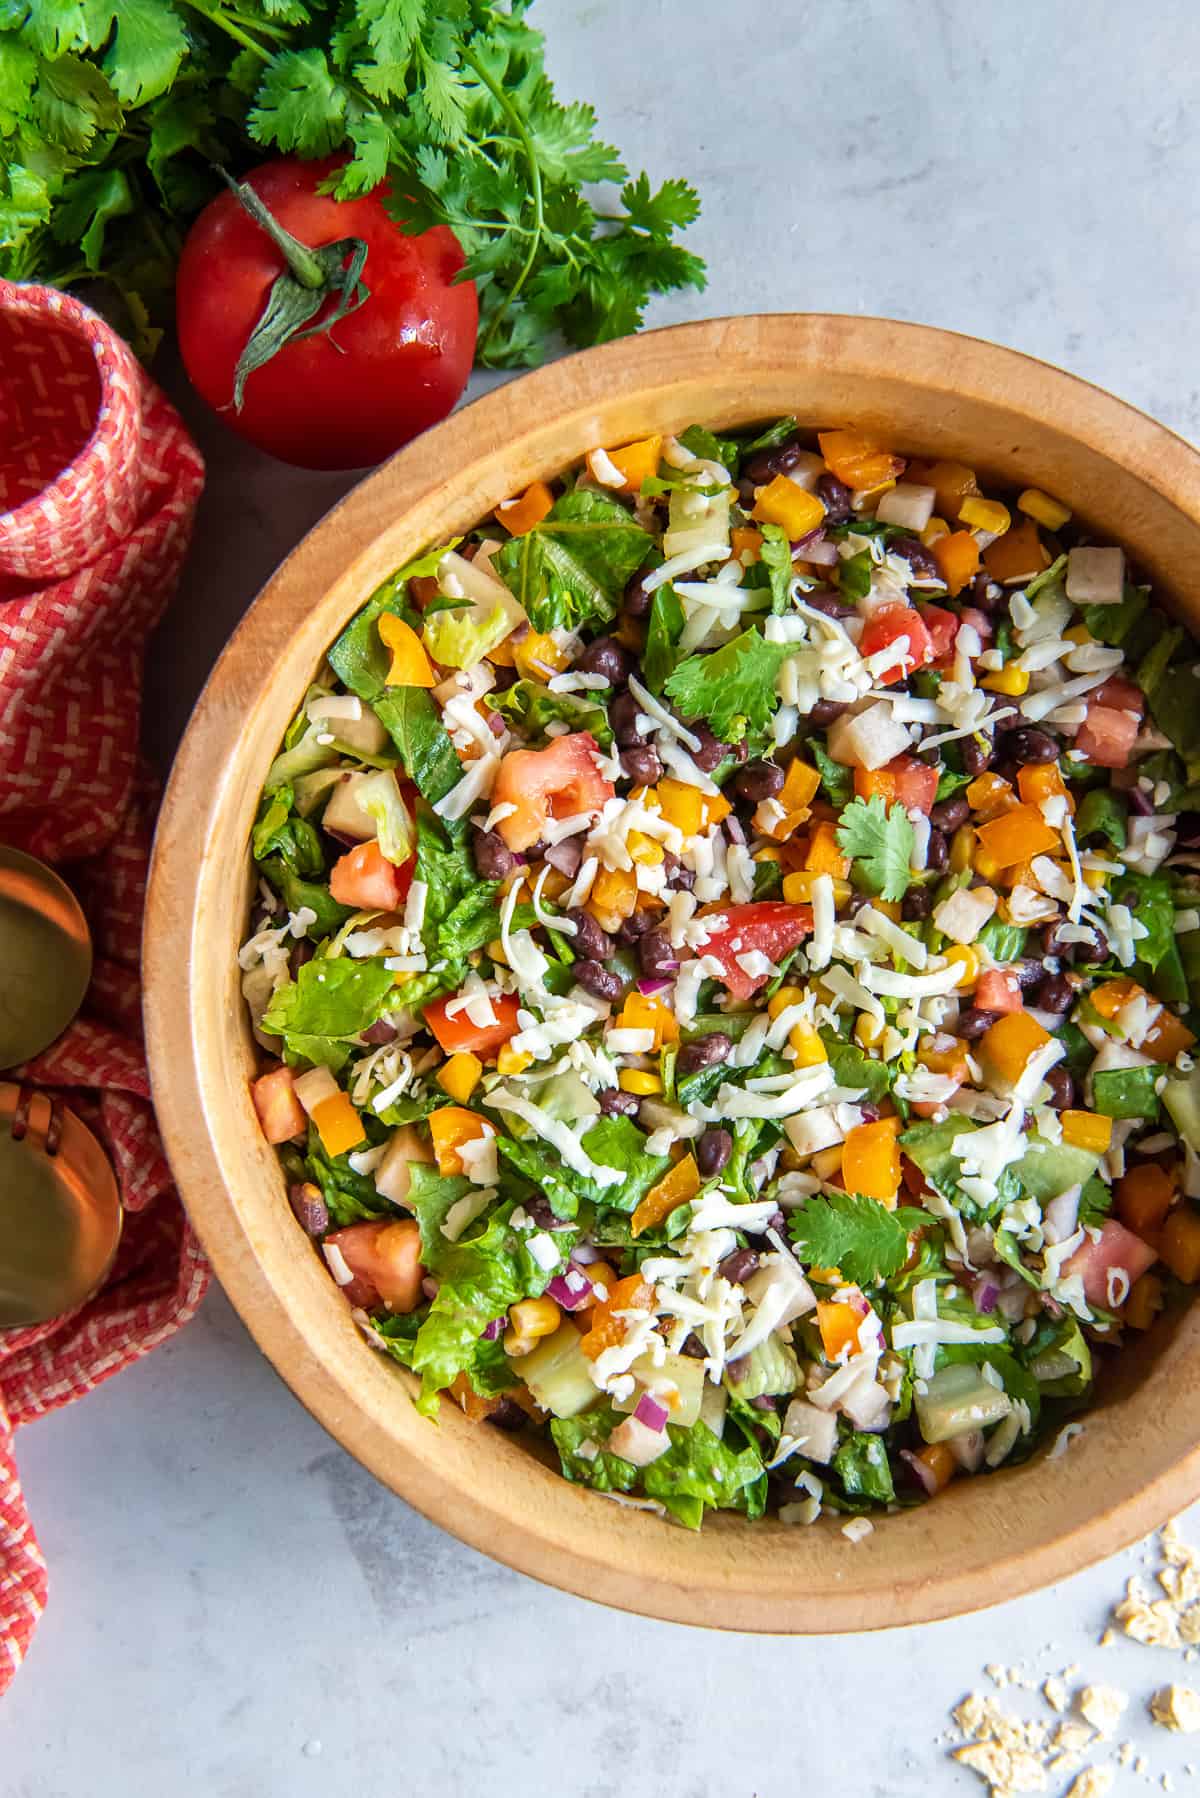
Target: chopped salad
x,y
725,948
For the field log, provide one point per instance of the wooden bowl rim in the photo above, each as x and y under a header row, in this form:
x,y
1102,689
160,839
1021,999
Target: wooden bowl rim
x,y
873,1592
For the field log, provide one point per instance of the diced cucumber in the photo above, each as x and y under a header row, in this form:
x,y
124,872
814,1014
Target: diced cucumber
x,y
958,1398
1182,1100
1048,1168
681,1371
559,1374
304,758
1064,1368
771,1368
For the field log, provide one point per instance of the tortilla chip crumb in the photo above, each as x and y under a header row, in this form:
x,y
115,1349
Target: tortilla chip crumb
x,y
1093,1782
1177,1708
1054,1691
1103,1707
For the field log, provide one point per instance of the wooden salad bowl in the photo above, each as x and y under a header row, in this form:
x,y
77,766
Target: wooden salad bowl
x,y
924,391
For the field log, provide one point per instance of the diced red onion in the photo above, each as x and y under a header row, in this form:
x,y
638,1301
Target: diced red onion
x,y
924,1474
800,544
1050,1306
429,1286
651,1413
496,723
967,1449
820,551
571,1290
585,1252
492,1332
565,856
656,985
984,1293
380,1032
734,831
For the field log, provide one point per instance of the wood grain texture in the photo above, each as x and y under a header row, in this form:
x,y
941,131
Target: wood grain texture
x,y
924,391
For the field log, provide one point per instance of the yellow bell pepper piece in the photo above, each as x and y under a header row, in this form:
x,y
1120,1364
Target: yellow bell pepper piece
x,y
460,1076
338,1124
451,1126
639,1081
1018,836
411,666
521,514
1010,680
824,856
1086,1129
782,502
985,515
810,1051
637,461
538,656
1043,509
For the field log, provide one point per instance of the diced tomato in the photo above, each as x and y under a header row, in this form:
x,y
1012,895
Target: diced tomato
x,y
997,990
1117,1248
1123,695
365,879
770,926
385,1259
1107,736
559,781
904,781
456,1031
887,625
942,627
279,1110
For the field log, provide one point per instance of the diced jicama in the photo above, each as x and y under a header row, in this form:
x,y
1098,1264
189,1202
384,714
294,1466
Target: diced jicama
x,y
867,739
907,505
393,1176
634,1442
815,1430
1096,577
558,1373
963,915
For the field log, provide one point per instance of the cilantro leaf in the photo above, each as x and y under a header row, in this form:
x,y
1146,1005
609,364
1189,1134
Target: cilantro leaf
x,y
880,839
733,687
776,556
858,1236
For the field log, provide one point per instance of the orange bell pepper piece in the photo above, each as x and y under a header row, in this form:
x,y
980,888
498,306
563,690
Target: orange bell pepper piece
x,y
637,461
858,460
521,514
953,482
679,1184
990,795
1043,781
838,1324
1180,1247
1144,1196
871,1161
1114,995
1017,836
782,502
957,557
1010,1042
613,897
607,1326
1144,1302
338,1124
411,666
824,855
451,1126
641,1011
746,543
1168,1037
937,1457
1018,555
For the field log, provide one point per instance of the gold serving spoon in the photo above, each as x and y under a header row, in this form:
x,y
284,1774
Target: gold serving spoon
x,y
60,1207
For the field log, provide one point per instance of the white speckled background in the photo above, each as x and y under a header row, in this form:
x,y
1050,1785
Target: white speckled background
x,y
237,1609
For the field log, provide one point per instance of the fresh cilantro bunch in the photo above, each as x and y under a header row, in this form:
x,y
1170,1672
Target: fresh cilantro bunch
x,y
112,116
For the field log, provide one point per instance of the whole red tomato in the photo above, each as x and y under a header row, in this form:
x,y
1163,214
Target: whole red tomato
x,y
344,398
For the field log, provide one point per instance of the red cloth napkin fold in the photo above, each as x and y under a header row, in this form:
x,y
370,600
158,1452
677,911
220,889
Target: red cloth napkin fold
x,y
98,486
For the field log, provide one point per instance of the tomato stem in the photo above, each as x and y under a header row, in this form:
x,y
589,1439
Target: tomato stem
x,y
304,264
535,185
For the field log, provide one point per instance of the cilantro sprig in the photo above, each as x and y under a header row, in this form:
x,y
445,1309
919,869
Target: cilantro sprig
x,y
865,1242
732,687
880,839
113,118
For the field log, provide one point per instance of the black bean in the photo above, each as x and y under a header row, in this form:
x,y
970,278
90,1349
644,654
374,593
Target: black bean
x,y
1187,827
1055,994
300,952
598,980
937,854
656,955
824,599
637,601
973,1022
769,462
493,857
704,1051
1054,943
920,560
506,1414
565,856
757,781
980,597
309,1206
634,927
712,1152
693,1348
950,814
591,942
977,755
835,496
1062,1088
617,1104
542,1213
856,902
1143,806
1028,970
712,752
379,1033
506,678
870,1114
824,712
747,492
606,656
641,764
1027,746
677,873
916,905
736,1370
623,716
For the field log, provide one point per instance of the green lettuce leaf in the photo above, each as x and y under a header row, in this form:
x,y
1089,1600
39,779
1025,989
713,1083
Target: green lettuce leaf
x,y
861,1463
611,1142
699,1469
571,569
1102,813
531,707
349,1197
663,631
1127,1092
836,778
329,1001
606,1472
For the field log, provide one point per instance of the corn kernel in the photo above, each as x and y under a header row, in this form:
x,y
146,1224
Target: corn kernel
x,y
986,866
964,957
810,1050
496,951
937,527
512,1061
780,1000
535,1317
1087,1130
639,1081
868,1030
827,1276
1011,680
962,849
985,515
643,849
460,1076
798,888
1094,878
827,1162
1078,633
767,855
538,655
1042,509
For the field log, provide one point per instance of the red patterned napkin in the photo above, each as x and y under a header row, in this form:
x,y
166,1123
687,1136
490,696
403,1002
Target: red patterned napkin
x,y
98,485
